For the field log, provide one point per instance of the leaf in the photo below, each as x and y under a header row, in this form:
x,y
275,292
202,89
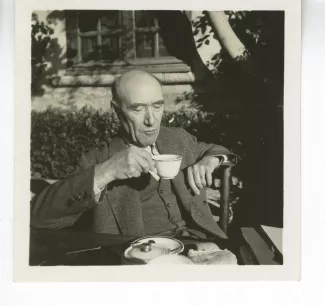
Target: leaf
x,y
204,28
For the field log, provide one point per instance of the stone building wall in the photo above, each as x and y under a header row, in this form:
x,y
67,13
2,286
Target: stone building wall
x,y
66,92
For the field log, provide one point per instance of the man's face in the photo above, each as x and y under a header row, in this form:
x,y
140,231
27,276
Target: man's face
x,y
142,107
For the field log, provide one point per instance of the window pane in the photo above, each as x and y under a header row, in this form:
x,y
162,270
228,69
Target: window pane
x,y
110,48
89,49
88,21
144,19
144,45
111,43
108,35
162,48
110,20
145,42
99,45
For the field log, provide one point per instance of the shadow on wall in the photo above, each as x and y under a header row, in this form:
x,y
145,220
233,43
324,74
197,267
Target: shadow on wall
x,y
55,16
48,56
176,31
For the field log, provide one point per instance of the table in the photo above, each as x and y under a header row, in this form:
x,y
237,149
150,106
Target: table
x,y
275,234
75,248
263,247
67,247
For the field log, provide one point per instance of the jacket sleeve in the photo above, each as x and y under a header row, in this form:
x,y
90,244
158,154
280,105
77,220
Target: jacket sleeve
x,y
202,149
61,204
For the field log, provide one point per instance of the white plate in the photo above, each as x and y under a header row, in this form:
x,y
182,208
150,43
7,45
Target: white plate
x,y
165,243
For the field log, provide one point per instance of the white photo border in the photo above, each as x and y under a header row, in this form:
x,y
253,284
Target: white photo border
x,y
290,270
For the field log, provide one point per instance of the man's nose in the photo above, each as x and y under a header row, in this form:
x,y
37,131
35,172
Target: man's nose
x,y
149,117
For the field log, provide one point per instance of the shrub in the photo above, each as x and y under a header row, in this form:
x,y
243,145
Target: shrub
x,y
59,137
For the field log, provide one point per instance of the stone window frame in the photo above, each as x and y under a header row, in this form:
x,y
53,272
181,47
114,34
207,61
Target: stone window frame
x,y
129,61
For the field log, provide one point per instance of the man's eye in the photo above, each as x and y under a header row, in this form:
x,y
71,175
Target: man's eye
x,y
157,106
138,109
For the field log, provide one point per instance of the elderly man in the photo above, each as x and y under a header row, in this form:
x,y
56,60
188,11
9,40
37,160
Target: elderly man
x,y
112,190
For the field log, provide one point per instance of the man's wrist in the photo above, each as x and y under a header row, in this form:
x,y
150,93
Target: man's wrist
x,y
216,160
97,189
103,175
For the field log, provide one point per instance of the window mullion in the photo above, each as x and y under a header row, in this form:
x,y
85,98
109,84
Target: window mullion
x,y
79,43
133,35
129,39
156,40
99,38
120,37
125,32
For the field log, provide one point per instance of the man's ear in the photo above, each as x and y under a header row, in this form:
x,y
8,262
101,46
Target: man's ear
x,y
114,107
117,110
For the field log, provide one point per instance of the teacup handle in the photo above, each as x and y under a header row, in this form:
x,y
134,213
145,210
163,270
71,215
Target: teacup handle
x,y
155,175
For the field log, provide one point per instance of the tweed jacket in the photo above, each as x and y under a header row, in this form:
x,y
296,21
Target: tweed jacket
x,y
70,202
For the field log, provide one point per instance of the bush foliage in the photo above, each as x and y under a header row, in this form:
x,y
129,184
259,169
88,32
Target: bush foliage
x,y
58,138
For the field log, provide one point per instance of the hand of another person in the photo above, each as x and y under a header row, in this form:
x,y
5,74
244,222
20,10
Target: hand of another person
x,y
199,175
129,163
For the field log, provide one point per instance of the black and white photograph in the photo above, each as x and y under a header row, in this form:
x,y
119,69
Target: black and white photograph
x,y
163,133
156,138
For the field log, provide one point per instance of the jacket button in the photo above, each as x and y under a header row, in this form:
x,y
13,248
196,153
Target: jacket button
x,y
161,191
168,205
78,196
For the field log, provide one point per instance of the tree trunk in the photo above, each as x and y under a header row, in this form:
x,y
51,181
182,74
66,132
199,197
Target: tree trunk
x,y
227,37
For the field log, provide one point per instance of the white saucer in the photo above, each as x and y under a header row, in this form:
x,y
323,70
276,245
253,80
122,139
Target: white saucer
x,y
166,244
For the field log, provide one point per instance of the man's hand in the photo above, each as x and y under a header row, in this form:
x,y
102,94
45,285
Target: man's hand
x,y
131,162
199,175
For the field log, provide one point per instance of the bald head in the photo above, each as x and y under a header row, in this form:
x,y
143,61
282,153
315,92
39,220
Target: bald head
x,y
139,104
131,83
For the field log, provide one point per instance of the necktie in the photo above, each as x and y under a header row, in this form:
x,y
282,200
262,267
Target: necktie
x,y
153,153
153,150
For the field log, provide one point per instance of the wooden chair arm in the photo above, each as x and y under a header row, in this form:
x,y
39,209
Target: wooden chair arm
x,y
226,189
225,198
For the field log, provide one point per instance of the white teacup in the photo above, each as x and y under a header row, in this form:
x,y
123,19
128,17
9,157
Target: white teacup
x,y
167,165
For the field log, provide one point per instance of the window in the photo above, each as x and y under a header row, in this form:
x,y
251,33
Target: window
x,y
111,41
